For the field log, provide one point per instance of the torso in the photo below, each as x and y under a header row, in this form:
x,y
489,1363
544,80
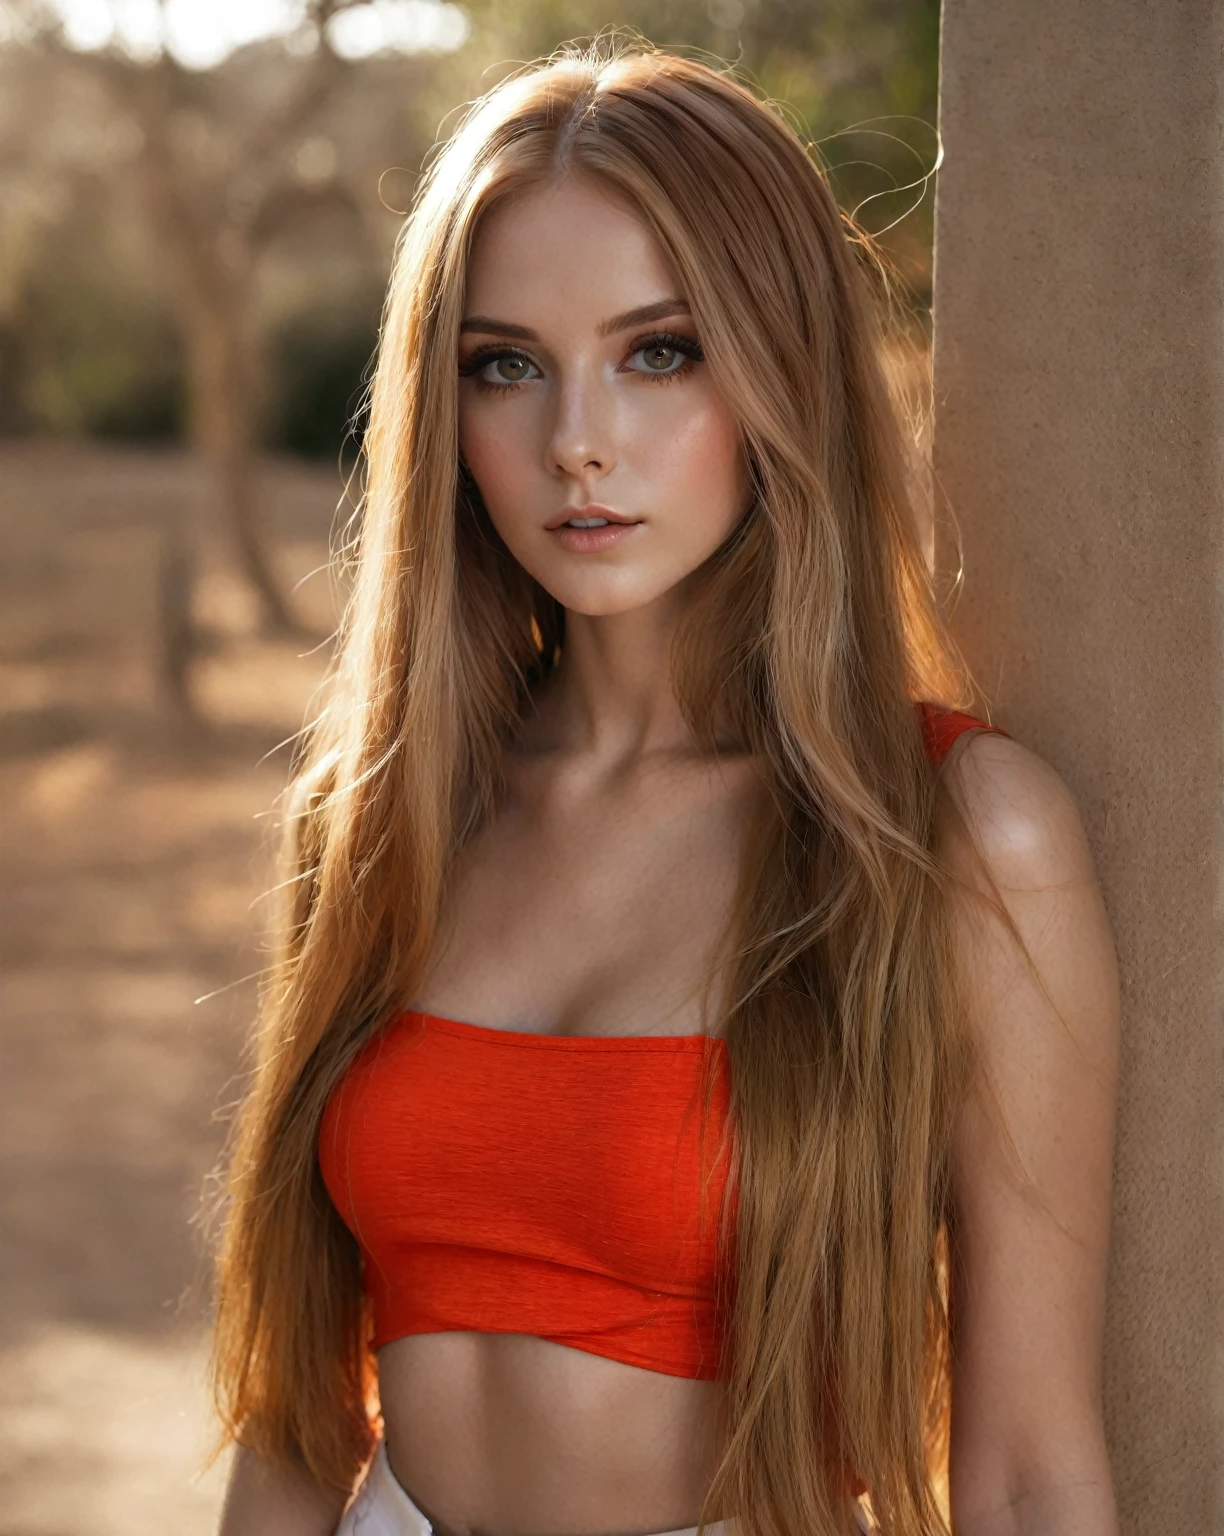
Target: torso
x,y
588,909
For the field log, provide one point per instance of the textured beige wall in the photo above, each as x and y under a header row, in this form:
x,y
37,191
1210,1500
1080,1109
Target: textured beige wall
x,y
1079,441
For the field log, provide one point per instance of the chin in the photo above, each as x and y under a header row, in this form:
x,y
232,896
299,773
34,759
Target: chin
x,y
598,599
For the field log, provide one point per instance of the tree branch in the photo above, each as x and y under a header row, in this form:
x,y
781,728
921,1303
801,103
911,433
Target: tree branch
x,y
271,137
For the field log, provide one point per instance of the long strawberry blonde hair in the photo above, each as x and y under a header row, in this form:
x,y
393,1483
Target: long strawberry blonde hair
x,y
813,630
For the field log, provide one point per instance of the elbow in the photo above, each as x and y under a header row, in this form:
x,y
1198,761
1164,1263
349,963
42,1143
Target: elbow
x,y
1060,1486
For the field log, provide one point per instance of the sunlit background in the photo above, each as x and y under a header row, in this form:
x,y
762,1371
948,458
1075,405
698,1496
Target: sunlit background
x,y
201,36
198,204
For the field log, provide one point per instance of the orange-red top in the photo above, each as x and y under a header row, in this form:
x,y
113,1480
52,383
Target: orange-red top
x,y
542,1184
942,727
551,1185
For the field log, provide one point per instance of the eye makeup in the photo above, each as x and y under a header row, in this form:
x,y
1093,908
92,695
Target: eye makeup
x,y
685,347
483,357
667,341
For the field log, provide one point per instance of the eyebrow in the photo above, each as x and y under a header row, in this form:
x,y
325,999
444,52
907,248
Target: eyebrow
x,y
644,313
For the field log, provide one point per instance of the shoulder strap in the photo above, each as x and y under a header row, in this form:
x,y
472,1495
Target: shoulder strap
x,y
942,727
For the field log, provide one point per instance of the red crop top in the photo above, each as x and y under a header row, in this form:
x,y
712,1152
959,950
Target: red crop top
x,y
504,1182
525,1183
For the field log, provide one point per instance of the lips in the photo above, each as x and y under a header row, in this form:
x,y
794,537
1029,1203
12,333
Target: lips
x,y
591,509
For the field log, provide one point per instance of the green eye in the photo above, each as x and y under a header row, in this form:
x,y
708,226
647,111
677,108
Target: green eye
x,y
666,355
659,358
490,369
511,368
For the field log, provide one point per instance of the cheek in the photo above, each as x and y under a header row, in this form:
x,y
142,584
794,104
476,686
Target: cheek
x,y
495,448
699,464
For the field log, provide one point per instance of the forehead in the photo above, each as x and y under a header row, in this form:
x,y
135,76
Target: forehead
x,y
574,247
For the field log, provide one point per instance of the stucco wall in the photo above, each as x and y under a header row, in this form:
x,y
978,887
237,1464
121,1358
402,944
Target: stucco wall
x,y
1079,442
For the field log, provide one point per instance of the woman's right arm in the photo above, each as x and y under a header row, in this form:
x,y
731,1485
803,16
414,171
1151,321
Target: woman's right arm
x,y
264,1500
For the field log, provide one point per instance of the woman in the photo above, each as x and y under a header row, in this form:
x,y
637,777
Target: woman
x,y
691,1049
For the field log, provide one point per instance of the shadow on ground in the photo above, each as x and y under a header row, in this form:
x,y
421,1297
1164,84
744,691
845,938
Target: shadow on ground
x,y
133,860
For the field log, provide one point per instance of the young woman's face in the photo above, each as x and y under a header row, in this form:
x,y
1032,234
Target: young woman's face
x,y
583,394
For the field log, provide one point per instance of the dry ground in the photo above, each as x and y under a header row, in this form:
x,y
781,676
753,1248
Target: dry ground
x,y
131,859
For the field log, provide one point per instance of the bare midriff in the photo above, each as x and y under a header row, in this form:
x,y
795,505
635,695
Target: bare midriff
x,y
494,1434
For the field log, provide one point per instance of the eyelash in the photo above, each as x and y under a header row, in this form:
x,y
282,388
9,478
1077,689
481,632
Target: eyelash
x,y
483,356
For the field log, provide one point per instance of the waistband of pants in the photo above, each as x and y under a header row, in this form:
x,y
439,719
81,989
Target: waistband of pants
x,y
382,1507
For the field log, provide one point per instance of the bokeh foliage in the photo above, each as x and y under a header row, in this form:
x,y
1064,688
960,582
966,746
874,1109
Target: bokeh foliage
x,y
87,340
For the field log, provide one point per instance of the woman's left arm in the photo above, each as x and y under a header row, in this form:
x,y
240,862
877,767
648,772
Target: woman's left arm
x,y
1032,1156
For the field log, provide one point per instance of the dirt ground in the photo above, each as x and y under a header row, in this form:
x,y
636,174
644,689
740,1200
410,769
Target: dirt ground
x,y
132,861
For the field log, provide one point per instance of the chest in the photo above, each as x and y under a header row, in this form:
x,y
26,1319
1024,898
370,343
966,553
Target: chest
x,y
580,912
601,1155
570,1188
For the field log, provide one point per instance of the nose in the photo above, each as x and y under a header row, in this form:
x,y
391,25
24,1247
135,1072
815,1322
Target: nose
x,y
582,441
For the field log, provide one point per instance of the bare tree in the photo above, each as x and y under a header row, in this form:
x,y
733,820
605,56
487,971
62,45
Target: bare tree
x,y
214,168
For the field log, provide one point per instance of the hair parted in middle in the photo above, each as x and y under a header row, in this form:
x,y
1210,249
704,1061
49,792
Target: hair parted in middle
x,y
811,633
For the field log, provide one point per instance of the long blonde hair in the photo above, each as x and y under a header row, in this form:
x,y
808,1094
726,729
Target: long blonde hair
x,y
814,629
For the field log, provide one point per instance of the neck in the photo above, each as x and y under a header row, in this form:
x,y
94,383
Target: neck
x,y
611,698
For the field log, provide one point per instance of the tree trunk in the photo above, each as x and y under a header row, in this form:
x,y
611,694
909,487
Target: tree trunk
x,y
176,631
225,393
210,265
236,473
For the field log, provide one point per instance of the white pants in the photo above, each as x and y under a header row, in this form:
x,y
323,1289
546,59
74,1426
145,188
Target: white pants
x,y
382,1508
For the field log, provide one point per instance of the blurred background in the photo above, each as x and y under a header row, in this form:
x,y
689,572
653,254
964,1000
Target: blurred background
x,y
198,204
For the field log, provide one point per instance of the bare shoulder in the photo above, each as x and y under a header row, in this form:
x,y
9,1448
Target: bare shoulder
x,y
1018,852
1023,819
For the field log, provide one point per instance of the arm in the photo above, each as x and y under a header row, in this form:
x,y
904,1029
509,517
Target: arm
x,y
1032,1158
262,1500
